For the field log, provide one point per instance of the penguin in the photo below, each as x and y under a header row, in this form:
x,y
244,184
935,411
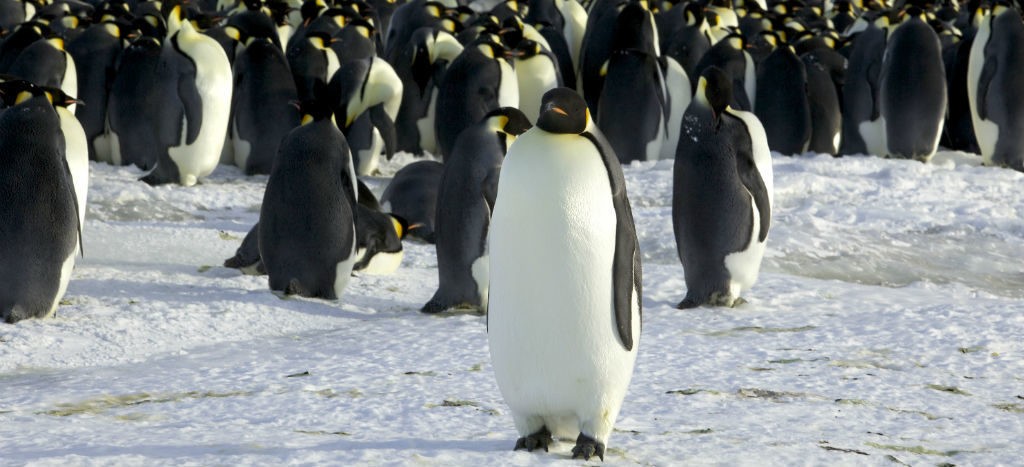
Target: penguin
x,y
782,102
312,60
994,70
479,80
46,63
95,54
412,195
863,130
564,305
730,56
420,68
721,195
826,115
261,112
378,241
135,106
15,42
247,256
359,86
40,235
196,85
683,35
912,89
633,107
596,48
537,72
307,232
464,203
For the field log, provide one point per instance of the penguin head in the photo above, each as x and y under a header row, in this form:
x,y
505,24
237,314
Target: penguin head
x,y
508,123
527,49
563,111
714,90
17,91
59,98
400,225
313,110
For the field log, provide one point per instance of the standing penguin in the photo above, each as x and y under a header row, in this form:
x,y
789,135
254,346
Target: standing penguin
x,y
196,79
912,96
730,55
994,88
95,53
633,107
412,195
565,289
863,129
721,195
464,203
46,63
782,103
479,80
38,219
537,72
307,233
261,110
134,108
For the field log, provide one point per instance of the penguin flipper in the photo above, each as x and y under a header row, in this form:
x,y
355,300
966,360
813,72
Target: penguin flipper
x,y
874,72
746,168
988,71
74,198
248,253
626,270
193,106
489,187
386,127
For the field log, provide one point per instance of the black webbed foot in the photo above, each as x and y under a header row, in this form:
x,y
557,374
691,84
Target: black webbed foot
x,y
587,447
540,439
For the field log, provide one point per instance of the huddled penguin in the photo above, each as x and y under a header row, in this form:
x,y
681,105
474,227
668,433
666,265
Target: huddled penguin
x,y
361,86
412,195
596,48
479,80
730,56
46,63
196,86
721,195
863,128
912,89
96,53
565,281
537,72
261,112
420,68
633,108
37,251
135,106
464,203
378,240
307,232
995,89
782,102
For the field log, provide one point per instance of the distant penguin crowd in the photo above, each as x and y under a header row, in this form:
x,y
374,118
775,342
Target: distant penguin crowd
x,y
522,112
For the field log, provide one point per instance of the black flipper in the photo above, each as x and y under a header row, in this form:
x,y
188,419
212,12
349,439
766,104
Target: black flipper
x,y
987,73
74,196
366,196
751,177
248,253
383,123
190,99
489,187
626,269
874,77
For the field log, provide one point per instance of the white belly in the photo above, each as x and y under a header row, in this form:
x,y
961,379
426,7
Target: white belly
x,y
77,154
554,345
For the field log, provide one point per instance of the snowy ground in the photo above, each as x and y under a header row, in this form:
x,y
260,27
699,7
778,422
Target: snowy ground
x,y
887,328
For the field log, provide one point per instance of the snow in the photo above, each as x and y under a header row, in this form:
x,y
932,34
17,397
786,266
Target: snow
x,y
887,327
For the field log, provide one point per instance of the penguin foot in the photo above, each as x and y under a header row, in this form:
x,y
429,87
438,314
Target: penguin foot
x,y
434,306
540,439
688,303
587,447
739,301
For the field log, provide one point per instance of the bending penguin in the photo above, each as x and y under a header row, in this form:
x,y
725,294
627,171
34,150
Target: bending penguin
x,y
994,71
37,253
464,203
565,286
721,195
307,232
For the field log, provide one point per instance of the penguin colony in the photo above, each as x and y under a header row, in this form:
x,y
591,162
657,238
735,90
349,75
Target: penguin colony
x,y
528,107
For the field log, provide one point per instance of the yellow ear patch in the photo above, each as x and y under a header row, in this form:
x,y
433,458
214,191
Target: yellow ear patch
x,y
22,97
398,227
604,69
306,119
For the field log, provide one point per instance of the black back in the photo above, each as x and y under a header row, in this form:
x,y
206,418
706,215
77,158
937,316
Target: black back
x,y
412,195
913,90
861,89
261,108
782,102
135,104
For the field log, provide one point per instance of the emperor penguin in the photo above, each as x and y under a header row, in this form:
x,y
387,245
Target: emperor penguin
x,y
76,148
134,108
96,53
994,88
721,195
40,235
358,87
782,102
912,95
262,112
420,67
412,195
464,202
479,80
565,282
863,129
537,72
46,63
633,107
196,84
307,232
730,56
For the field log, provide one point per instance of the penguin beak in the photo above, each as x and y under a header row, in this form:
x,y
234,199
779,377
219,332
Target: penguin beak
x,y
559,111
